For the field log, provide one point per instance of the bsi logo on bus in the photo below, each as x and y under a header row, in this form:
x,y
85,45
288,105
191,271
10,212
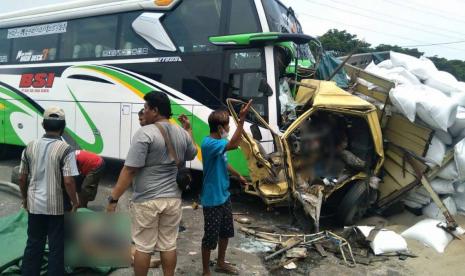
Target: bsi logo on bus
x,y
36,81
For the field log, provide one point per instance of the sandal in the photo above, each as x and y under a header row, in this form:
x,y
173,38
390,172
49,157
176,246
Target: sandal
x,y
227,269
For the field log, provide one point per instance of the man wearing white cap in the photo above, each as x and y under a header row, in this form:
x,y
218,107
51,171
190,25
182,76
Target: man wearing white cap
x,y
51,190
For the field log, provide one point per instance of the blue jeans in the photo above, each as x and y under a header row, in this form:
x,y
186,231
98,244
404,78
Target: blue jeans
x,y
39,228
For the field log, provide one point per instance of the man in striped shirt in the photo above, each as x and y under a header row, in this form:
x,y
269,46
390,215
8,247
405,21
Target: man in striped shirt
x,y
51,191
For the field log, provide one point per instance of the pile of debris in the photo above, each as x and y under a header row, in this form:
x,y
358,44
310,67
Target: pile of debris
x,y
436,100
291,248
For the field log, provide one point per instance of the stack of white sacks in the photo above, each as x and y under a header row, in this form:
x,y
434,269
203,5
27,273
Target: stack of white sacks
x,y
434,98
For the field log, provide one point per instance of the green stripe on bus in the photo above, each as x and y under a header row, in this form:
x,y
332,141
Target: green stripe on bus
x,y
97,146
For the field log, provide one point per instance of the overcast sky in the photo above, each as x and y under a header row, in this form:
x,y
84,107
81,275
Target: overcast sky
x,y
400,22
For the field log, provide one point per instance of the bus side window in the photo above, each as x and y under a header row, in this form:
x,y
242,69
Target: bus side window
x,y
35,48
92,37
4,47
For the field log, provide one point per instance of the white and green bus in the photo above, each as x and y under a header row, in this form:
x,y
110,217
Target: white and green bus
x,y
97,58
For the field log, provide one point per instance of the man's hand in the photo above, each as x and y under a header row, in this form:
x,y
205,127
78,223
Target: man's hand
x,y
24,204
74,209
111,207
244,110
186,124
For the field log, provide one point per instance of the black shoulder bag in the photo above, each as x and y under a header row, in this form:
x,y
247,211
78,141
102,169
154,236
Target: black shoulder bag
x,y
184,177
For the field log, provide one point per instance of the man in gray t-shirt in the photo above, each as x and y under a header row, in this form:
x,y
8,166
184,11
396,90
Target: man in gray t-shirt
x,y
156,177
156,206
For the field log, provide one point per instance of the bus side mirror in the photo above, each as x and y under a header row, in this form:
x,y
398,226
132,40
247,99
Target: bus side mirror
x,y
256,133
265,88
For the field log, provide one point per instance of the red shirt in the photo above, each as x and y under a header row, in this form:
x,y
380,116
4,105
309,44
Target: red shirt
x,y
87,161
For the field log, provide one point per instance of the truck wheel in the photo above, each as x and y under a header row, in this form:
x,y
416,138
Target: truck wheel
x,y
354,204
15,175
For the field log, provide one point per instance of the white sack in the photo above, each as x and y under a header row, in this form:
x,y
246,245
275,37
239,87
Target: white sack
x,y
404,99
459,187
368,84
443,186
423,192
385,241
412,204
399,75
458,97
436,151
386,64
434,108
418,198
459,199
444,136
403,77
433,211
449,172
459,124
372,68
427,232
424,69
459,158
403,60
443,81
459,137
461,86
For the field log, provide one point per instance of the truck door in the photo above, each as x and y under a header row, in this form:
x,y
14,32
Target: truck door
x,y
244,72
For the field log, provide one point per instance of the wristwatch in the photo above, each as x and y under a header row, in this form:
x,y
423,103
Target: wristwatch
x,y
111,200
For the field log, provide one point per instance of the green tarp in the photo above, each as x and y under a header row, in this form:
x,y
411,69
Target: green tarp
x,y
327,66
13,236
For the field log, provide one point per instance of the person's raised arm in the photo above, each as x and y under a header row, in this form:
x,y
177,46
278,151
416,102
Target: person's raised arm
x,y
186,124
236,138
191,149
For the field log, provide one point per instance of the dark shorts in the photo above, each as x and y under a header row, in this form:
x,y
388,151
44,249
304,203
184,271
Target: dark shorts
x,y
88,185
218,224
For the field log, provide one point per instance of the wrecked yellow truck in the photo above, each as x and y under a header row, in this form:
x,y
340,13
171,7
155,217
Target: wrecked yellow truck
x,y
344,153
331,154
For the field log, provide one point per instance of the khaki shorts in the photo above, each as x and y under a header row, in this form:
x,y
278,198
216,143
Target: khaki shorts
x,y
155,224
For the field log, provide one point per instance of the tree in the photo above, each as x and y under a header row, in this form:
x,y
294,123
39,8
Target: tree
x,y
409,51
455,67
342,42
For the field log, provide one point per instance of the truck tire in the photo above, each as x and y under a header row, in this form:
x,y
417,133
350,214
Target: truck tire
x,y
15,175
354,204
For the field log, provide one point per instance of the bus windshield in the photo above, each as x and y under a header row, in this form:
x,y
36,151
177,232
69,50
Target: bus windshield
x,y
280,18
283,20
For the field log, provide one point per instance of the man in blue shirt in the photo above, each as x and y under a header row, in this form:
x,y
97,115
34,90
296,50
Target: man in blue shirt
x,y
217,211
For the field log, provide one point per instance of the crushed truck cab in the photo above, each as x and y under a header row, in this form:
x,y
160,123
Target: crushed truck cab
x,y
334,144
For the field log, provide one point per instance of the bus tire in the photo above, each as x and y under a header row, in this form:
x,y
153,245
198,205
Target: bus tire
x,y
354,204
15,175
